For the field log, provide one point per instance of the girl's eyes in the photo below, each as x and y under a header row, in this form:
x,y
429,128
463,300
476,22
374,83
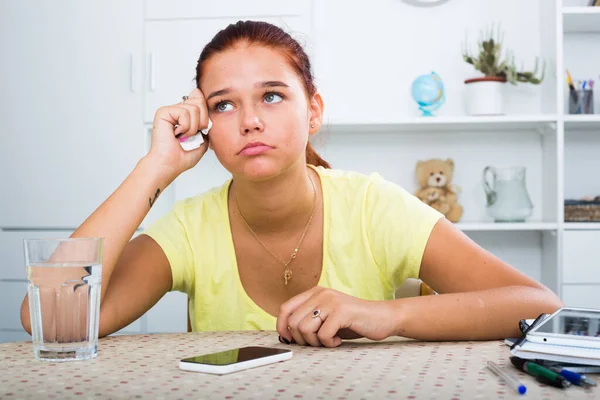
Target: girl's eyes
x,y
273,97
269,98
222,106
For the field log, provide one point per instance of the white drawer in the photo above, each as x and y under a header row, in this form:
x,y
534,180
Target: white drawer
x,y
581,257
242,9
11,297
12,255
587,296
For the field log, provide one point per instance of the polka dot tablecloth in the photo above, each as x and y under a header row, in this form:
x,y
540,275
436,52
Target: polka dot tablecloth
x,y
146,366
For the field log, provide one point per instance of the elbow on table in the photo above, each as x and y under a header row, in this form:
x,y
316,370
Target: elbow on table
x,y
551,301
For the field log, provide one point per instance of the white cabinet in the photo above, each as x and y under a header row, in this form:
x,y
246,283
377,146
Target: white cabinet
x,y
581,257
71,107
580,55
173,48
586,296
239,9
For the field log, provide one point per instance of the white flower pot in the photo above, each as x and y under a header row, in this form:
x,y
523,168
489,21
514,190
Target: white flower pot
x,y
484,96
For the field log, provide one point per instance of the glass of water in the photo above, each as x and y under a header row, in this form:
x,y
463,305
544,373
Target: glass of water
x,y
64,277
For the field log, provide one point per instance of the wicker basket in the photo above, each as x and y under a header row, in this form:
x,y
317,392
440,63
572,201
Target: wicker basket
x,y
582,210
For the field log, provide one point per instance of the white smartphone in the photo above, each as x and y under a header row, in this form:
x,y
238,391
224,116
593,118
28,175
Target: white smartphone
x,y
233,360
569,326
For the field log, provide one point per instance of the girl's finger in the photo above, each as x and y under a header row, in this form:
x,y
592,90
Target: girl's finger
x,y
288,308
328,332
308,328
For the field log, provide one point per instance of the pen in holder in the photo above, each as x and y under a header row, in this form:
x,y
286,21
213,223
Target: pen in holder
x,y
581,101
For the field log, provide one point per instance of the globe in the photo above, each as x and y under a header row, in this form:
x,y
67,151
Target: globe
x,y
428,92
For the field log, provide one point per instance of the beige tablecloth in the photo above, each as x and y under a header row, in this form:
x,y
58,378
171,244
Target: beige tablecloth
x,y
146,366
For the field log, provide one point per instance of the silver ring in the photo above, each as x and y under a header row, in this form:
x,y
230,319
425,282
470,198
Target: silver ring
x,y
184,98
316,313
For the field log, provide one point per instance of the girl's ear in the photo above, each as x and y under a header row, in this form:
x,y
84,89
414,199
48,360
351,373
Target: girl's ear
x,y
210,146
316,113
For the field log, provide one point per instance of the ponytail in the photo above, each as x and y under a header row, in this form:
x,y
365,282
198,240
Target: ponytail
x,y
313,158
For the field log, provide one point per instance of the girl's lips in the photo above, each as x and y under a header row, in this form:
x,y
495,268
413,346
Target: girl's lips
x,y
255,150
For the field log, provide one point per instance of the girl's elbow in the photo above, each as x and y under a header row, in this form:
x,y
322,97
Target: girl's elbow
x,y
25,321
552,301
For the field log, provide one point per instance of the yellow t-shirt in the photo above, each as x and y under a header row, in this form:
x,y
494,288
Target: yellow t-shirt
x,y
374,236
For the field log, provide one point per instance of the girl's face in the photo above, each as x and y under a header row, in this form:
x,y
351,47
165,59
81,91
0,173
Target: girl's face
x,y
260,111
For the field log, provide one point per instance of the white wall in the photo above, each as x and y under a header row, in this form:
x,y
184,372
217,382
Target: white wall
x,y
384,44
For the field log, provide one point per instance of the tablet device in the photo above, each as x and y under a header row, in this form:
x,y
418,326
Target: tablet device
x,y
228,361
569,326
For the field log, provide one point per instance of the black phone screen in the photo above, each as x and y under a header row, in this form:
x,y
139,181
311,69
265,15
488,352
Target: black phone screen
x,y
235,355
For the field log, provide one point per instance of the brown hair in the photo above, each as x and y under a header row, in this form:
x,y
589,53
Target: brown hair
x,y
271,36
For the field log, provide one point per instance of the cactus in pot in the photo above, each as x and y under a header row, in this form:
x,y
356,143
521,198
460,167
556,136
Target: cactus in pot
x,y
484,94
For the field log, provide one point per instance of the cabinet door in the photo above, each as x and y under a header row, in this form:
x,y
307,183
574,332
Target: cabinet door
x,y
174,9
173,48
580,257
71,107
586,296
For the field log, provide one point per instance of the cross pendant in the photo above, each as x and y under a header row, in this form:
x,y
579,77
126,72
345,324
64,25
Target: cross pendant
x,y
287,275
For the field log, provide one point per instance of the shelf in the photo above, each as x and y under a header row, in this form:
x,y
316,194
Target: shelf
x,y
582,226
581,19
507,226
582,122
457,123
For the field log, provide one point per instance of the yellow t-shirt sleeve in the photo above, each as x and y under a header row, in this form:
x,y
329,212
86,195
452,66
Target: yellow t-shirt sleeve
x,y
398,228
170,232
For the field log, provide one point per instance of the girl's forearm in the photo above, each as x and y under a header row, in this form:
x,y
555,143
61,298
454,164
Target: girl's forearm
x,y
484,315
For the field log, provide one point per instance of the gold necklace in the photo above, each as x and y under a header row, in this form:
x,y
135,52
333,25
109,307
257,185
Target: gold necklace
x,y
287,273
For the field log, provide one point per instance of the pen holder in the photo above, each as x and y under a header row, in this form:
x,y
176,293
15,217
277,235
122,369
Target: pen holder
x,y
581,101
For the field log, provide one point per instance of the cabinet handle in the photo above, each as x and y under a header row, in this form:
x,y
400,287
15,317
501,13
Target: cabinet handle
x,y
152,85
132,74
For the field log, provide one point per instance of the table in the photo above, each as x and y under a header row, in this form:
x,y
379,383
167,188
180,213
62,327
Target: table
x,y
146,366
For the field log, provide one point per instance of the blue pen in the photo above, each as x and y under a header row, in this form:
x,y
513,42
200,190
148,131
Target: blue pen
x,y
573,377
583,86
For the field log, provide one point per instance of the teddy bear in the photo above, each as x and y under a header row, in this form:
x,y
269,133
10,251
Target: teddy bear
x,y
436,189
434,197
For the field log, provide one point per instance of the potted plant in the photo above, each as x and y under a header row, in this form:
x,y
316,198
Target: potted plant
x,y
484,94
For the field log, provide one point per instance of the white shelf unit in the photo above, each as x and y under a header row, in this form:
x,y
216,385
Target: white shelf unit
x,y
561,157
581,19
579,226
590,122
580,50
481,124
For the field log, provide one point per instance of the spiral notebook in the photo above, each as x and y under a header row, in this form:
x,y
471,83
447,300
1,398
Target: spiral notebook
x,y
575,358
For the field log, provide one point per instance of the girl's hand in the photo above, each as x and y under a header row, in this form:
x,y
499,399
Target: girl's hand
x,y
183,120
340,316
